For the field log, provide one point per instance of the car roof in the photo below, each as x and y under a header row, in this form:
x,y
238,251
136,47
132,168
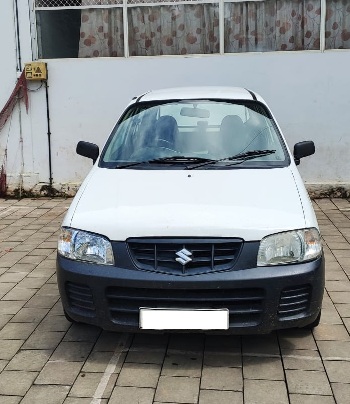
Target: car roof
x,y
207,92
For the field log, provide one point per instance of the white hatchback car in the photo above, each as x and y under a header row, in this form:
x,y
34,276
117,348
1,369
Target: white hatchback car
x,y
194,217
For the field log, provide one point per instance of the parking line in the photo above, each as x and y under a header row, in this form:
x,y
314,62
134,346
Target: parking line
x,y
110,369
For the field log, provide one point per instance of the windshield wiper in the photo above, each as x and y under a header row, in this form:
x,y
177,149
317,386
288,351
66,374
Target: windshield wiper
x,y
237,158
170,160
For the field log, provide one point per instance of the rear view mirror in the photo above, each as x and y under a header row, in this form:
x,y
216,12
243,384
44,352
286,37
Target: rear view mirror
x,y
89,150
195,112
303,149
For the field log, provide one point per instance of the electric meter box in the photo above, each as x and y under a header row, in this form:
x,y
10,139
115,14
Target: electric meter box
x,y
35,71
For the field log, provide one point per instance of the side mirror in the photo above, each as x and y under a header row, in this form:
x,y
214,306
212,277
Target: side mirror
x,y
303,149
89,150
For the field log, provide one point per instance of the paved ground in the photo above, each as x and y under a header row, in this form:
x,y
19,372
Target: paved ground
x,y
45,359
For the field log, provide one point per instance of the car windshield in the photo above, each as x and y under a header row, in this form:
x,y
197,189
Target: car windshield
x,y
190,131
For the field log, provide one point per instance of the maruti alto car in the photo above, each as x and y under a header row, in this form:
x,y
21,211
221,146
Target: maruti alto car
x,y
193,217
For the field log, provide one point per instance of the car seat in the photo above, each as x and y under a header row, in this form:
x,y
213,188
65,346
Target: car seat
x,y
166,131
233,135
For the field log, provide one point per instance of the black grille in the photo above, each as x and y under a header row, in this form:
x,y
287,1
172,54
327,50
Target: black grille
x,y
294,301
245,305
80,297
160,255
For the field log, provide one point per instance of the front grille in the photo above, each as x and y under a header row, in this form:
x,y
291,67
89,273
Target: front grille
x,y
80,297
207,255
294,301
245,305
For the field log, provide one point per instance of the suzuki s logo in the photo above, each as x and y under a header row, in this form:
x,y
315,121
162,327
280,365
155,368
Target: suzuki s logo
x,y
184,256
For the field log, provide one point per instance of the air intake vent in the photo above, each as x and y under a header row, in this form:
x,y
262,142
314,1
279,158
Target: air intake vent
x,y
80,297
294,301
245,305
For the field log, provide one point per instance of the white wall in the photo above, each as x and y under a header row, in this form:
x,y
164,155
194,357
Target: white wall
x,y
307,91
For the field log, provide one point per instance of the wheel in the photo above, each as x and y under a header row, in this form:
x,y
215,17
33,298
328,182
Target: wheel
x,y
314,324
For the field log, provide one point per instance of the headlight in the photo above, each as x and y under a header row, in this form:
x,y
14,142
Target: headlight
x,y
83,246
290,247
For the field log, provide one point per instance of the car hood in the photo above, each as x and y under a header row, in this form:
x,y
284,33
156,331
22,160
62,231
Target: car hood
x,y
245,203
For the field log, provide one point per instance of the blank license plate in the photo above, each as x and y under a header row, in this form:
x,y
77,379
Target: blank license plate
x,y
179,319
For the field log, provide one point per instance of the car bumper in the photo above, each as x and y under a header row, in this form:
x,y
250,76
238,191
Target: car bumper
x,y
259,300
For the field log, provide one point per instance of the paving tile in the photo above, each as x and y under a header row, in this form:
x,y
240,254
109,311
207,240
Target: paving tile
x,y
10,399
29,315
79,400
347,324
86,384
30,360
12,277
222,397
108,341
260,344
131,395
343,309
150,355
27,268
177,389
46,394
331,332
14,331
4,319
10,307
334,349
14,383
42,302
18,293
5,288
139,375
310,399
98,362
223,343
340,297
302,360
341,393
43,340
31,283
54,323
215,378
8,348
63,373
297,339
338,286
82,332
3,364
308,382
265,392
11,258
72,351
186,364
186,343
262,368
336,275
330,315
338,371
223,359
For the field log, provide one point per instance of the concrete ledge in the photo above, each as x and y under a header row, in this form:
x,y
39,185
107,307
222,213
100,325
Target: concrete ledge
x,y
328,190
